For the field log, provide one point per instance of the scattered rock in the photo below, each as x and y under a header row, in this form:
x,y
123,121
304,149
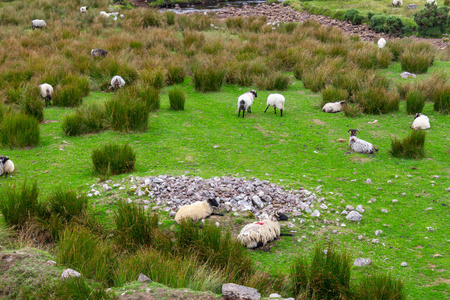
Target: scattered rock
x,y
411,6
360,208
375,241
437,256
315,213
143,278
50,262
384,210
354,216
378,232
407,74
231,291
274,296
403,264
368,181
69,273
361,262
349,208
360,237
394,200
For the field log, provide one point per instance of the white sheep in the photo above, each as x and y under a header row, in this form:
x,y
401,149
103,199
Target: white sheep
x,y
99,52
38,24
381,43
8,166
358,145
259,233
397,2
83,9
277,101
104,14
117,82
196,211
432,2
245,102
334,107
420,122
46,92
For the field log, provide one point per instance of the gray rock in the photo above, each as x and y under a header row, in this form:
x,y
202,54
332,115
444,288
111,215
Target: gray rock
x,y
407,74
344,212
50,262
143,278
323,206
360,237
106,188
394,200
410,6
378,232
360,208
231,291
384,210
361,262
349,208
257,201
67,273
315,213
403,264
354,216
274,296
375,241
437,256
368,181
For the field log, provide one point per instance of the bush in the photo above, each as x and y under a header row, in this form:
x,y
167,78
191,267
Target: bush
x,y
170,18
394,26
380,286
69,95
175,74
415,102
154,78
333,94
94,117
113,159
338,14
353,16
125,113
177,99
273,81
432,21
377,22
411,147
150,96
384,57
416,62
32,104
19,130
442,100
18,205
377,100
14,95
72,124
352,110
67,204
208,78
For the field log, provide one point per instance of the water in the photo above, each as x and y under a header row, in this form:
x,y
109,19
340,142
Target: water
x,y
210,7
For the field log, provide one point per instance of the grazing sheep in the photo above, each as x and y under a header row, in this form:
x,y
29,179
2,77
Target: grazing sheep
x,y
277,101
259,233
83,9
46,92
334,107
381,43
117,82
99,52
245,102
196,211
8,166
420,122
38,24
1,165
432,2
358,145
397,2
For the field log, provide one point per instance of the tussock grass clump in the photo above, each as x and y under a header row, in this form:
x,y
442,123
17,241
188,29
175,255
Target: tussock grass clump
x,y
411,147
69,95
380,286
315,79
352,110
113,159
150,96
81,82
19,130
32,104
384,57
151,18
72,124
19,204
125,113
75,288
175,74
14,95
377,100
134,226
67,204
415,102
208,77
333,94
154,78
93,115
177,99
416,62
273,81
326,277
442,100
365,57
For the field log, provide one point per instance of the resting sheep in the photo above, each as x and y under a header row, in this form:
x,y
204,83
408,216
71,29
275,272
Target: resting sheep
x,y
245,102
196,211
116,83
46,92
420,122
259,233
38,24
360,146
83,9
397,2
7,166
334,107
432,2
104,14
277,101
99,52
381,43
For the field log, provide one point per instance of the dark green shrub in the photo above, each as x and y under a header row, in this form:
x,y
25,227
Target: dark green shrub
x,y
175,74
353,16
416,62
442,100
113,159
432,21
394,26
125,113
134,226
380,286
177,99
68,96
208,77
338,15
415,102
18,205
19,130
411,147
377,100
333,94
72,124
67,204
273,81
377,22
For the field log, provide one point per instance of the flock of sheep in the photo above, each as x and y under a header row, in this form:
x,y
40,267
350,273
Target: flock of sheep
x,y
400,2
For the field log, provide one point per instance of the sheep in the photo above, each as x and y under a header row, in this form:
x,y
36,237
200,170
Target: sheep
x,y
38,24
8,166
381,43
259,233
46,92
99,52
104,14
334,107
83,9
359,145
277,101
116,83
1,165
196,211
432,2
397,2
420,122
245,102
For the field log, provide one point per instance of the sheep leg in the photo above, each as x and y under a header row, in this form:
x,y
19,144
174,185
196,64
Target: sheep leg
x,y
6,175
216,214
249,109
239,114
275,109
267,108
281,112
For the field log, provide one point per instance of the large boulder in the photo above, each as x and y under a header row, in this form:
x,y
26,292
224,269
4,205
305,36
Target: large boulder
x,y
231,291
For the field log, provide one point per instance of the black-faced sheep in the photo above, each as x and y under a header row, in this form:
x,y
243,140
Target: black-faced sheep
x,y
334,107
245,102
259,233
397,2
99,52
358,145
277,101
196,211
420,122
83,9
7,166
38,24
117,82
46,92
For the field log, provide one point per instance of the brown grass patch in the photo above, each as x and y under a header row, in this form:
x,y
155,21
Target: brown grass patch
x,y
318,122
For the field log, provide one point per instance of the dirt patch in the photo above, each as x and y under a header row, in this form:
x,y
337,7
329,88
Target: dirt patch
x,y
360,159
439,281
318,122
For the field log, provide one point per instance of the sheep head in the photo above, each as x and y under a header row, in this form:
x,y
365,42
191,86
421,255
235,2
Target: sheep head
x,y
343,102
254,93
418,115
213,202
280,216
353,131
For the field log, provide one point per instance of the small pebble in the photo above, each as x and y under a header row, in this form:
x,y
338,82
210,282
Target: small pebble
x,y
378,232
384,210
403,264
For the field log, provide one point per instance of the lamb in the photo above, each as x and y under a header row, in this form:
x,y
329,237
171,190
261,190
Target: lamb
x,y
432,2
99,52
83,9
277,101
259,233
8,166
397,2
420,122
245,102
46,92
359,145
381,43
196,211
117,82
334,107
38,24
